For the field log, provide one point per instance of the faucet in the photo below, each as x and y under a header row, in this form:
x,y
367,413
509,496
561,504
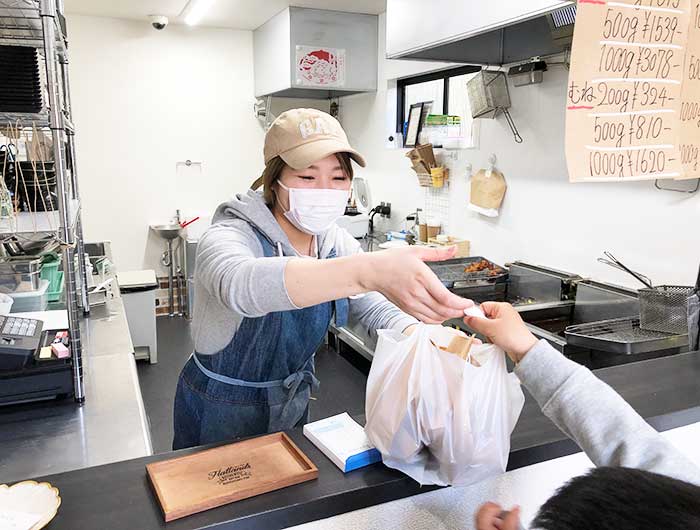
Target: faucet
x,y
177,217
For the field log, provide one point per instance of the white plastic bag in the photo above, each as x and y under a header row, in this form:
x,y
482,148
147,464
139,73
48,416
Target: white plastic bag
x,y
436,417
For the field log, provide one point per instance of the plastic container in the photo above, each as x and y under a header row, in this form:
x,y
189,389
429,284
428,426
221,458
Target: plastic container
x,y
32,301
432,228
49,271
19,282
56,290
19,274
437,175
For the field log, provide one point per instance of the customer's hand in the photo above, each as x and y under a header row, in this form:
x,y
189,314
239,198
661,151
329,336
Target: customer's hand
x,y
504,328
489,518
401,276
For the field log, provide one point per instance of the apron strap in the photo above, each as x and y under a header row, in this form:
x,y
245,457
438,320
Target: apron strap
x,y
231,381
291,383
341,308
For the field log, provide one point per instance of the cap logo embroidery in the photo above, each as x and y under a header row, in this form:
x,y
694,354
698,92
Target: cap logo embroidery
x,y
309,127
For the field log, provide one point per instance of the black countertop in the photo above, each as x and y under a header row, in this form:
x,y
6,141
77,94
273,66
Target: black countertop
x,y
665,391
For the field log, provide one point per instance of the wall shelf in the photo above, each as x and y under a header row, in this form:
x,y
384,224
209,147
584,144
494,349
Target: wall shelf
x,y
39,223
39,24
20,25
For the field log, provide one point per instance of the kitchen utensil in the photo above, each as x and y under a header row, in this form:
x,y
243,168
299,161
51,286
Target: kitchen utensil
x,y
622,336
616,266
451,271
488,95
664,308
616,263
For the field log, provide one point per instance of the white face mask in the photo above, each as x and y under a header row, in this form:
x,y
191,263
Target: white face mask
x,y
314,210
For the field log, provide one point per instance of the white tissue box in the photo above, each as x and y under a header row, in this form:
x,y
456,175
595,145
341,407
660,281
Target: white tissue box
x,y
344,441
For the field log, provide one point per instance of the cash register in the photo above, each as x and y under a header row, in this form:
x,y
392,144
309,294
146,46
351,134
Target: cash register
x,y
30,369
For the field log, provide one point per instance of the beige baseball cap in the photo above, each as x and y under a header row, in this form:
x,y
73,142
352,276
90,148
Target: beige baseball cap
x,y
303,136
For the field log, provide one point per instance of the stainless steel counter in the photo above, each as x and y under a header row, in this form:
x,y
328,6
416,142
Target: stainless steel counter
x,y
51,437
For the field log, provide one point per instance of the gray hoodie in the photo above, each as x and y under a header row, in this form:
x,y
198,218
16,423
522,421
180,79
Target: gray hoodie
x,y
234,280
597,418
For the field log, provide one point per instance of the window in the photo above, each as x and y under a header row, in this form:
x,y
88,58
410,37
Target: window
x,y
446,90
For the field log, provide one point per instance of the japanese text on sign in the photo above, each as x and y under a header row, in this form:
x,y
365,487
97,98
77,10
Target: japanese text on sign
x,y
633,95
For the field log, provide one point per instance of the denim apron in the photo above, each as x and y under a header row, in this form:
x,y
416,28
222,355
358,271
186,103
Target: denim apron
x,y
261,381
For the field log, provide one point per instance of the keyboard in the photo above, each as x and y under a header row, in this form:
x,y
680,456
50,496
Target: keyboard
x,y
19,327
19,339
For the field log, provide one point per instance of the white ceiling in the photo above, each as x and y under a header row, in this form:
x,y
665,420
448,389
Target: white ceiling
x,y
238,14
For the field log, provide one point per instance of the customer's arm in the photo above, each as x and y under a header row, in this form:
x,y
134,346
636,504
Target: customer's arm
x,y
586,409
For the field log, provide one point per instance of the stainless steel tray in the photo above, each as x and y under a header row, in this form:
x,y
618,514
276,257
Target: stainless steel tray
x,y
451,272
622,336
20,265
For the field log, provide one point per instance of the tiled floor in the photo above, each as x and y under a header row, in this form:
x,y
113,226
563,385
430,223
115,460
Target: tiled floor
x,y
342,385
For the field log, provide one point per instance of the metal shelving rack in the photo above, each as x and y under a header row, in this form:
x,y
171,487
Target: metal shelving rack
x,y
38,24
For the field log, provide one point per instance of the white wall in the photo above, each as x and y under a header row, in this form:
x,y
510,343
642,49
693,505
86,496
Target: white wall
x,y
144,100
544,219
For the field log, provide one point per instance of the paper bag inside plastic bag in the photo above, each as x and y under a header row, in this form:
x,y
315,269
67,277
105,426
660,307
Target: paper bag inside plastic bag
x,y
436,417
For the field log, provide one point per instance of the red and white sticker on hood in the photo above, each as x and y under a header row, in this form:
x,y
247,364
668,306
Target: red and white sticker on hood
x,y
320,67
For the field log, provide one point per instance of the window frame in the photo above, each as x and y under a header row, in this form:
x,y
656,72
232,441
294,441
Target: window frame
x,y
445,75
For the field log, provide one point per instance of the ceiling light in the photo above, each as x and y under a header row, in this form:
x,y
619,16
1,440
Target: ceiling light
x,y
195,10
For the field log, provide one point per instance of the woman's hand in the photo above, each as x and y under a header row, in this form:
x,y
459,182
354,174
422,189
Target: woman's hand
x,y
401,276
504,328
489,518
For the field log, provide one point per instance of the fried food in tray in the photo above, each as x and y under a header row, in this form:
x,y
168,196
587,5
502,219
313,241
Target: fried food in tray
x,y
483,266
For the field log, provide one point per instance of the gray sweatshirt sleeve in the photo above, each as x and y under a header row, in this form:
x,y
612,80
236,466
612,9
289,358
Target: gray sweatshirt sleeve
x,y
372,309
596,417
228,267
376,312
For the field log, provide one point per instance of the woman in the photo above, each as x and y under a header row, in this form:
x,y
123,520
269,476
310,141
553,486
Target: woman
x,y
272,271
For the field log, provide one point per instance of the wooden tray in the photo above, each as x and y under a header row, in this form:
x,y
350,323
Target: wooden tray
x,y
229,473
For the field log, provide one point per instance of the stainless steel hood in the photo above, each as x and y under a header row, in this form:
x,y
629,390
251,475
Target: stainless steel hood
x,y
345,43
519,38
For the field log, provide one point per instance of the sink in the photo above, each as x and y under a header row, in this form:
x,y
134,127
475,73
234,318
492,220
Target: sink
x,y
168,232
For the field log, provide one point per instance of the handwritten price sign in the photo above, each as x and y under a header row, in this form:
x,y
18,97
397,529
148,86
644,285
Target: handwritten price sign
x,y
633,98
